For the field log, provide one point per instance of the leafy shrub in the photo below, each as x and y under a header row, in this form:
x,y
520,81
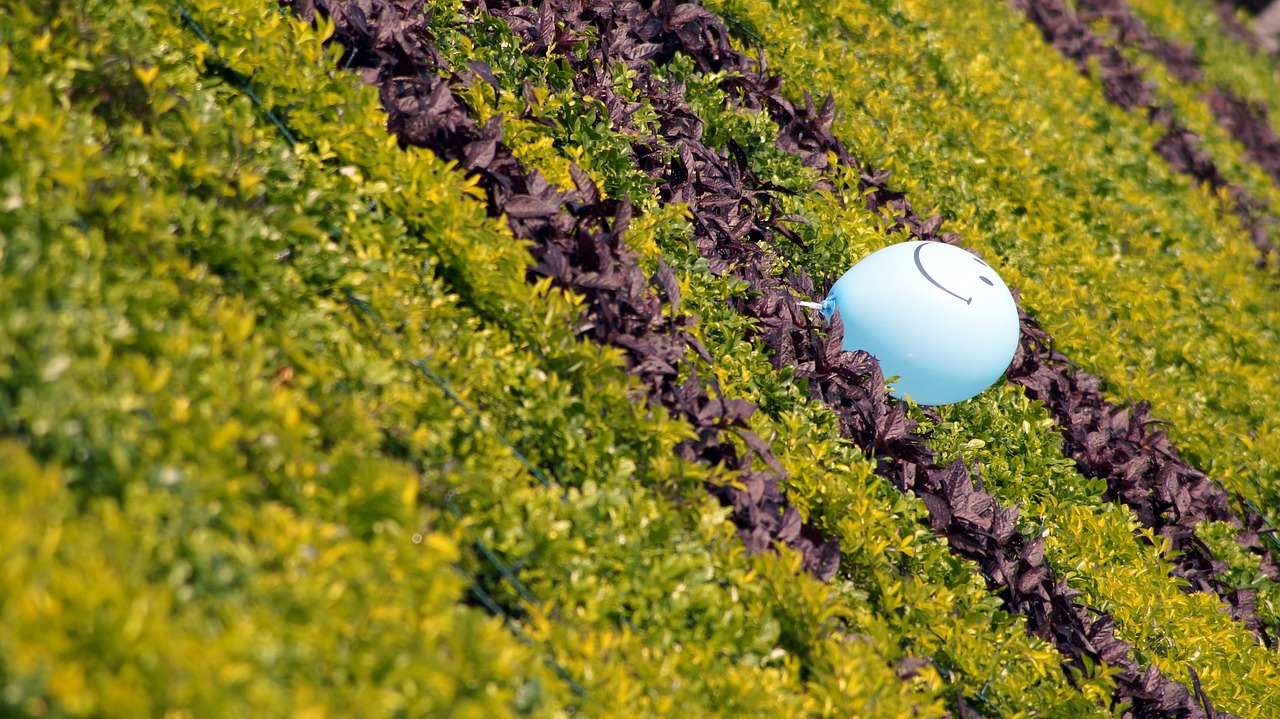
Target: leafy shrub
x,y
232,309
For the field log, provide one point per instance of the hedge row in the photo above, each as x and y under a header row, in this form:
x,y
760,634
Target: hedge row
x,y
197,512
1101,218
255,416
244,516
1182,95
233,454
276,301
1224,674
1246,71
1248,574
939,97
530,105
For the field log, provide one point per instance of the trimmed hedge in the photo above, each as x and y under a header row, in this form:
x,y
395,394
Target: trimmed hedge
x,y
1225,61
223,516
1203,624
267,382
270,304
1081,214
743,367
967,102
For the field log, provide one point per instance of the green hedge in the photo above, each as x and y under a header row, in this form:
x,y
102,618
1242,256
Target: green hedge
x,y
924,119
926,615
224,458
254,398
223,516
1135,582
1188,106
1226,61
1141,278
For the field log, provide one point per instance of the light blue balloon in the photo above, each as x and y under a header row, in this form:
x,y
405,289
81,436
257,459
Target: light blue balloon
x,y
936,316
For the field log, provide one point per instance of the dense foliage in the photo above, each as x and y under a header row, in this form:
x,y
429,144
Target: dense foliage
x,y
289,429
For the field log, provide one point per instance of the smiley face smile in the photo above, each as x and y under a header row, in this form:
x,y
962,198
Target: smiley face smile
x,y
935,283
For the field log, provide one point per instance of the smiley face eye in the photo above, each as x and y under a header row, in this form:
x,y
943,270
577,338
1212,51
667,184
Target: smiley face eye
x,y
979,261
989,282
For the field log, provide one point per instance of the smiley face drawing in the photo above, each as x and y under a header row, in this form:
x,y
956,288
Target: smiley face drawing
x,y
934,315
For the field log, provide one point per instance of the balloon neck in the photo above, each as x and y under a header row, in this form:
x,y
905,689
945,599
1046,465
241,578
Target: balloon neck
x,y
826,308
